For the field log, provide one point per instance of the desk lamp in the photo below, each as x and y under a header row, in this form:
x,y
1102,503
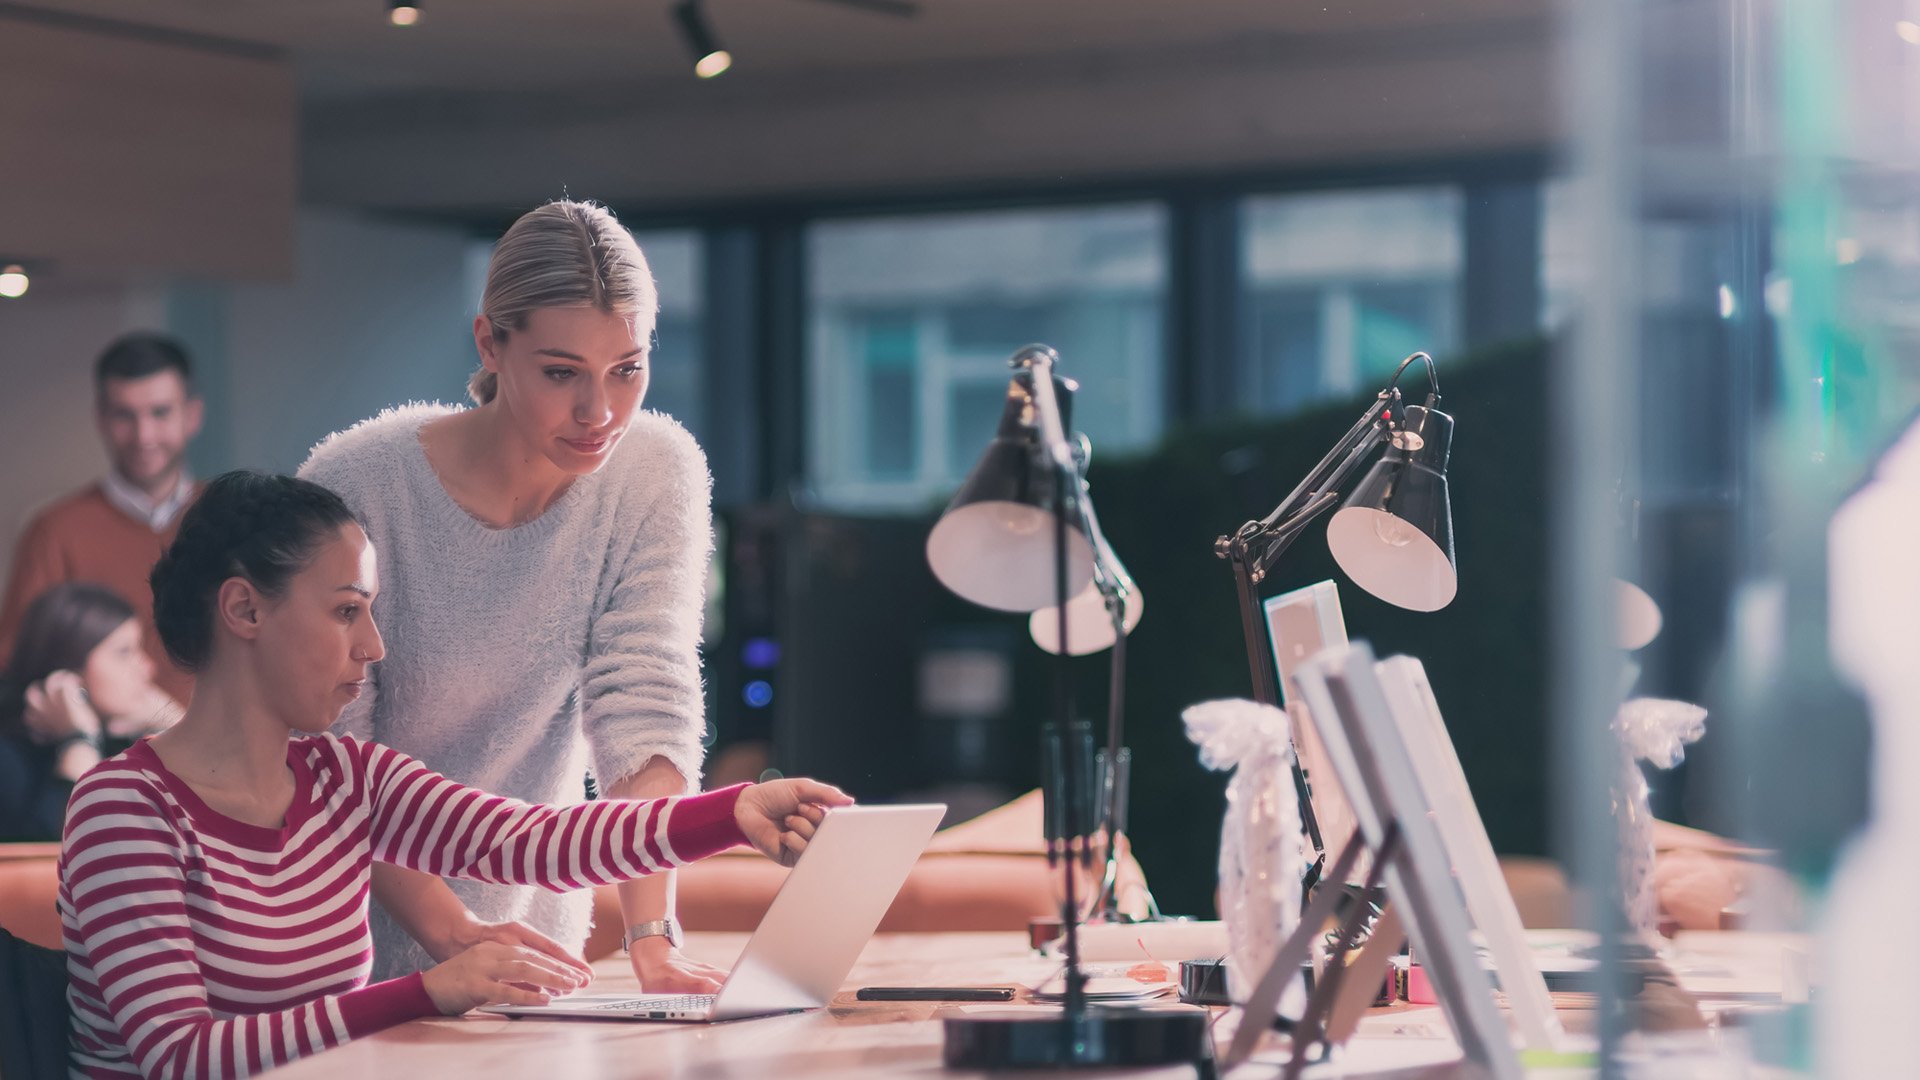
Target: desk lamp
x,y
1393,537
1019,536
1100,617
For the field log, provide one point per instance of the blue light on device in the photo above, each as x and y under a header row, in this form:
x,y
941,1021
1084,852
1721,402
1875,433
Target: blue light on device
x,y
760,653
759,693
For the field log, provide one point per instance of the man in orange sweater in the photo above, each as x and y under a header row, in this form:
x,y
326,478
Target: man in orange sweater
x,y
113,531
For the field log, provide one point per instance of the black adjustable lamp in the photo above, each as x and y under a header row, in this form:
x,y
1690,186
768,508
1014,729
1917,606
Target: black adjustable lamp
x,y
1098,617
1018,537
994,545
1393,537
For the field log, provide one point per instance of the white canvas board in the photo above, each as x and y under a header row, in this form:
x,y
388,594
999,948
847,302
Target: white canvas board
x,y
1443,783
1343,691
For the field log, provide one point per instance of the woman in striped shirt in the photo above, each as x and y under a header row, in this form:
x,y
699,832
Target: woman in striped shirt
x,y
214,878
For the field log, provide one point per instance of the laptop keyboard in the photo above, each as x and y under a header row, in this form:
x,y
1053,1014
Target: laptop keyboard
x,y
683,1003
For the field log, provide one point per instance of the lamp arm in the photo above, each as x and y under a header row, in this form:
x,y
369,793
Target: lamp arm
x,y
1318,503
1316,478
1284,534
1108,575
1255,546
1039,360
1111,580
1262,541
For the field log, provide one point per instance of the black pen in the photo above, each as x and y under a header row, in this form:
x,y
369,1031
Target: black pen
x,y
935,993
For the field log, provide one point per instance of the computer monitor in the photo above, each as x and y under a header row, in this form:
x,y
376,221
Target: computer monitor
x,y
1300,624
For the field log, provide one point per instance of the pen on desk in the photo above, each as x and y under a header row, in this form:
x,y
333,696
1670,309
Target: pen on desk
x,y
934,993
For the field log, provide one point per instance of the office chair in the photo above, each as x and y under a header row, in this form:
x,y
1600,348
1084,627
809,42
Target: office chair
x,y
33,1010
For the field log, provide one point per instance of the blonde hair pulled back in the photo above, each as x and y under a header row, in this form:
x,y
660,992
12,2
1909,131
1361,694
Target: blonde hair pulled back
x,y
565,254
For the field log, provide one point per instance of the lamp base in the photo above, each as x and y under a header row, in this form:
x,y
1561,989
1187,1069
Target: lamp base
x,y
1100,1037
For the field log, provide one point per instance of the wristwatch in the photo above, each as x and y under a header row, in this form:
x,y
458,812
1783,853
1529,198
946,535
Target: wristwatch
x,y
666,928
73,738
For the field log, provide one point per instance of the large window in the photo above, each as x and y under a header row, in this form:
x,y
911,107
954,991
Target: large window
x,y
1340,286
1563,257
1689,293
912,321
677,376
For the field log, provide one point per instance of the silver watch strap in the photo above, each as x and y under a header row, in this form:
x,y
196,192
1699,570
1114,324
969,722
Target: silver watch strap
x,y
666,928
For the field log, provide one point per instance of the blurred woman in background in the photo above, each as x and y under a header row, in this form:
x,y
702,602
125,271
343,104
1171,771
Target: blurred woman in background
x,y
79,687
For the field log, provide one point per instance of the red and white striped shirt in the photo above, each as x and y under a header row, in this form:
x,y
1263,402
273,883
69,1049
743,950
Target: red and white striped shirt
x,y
199,945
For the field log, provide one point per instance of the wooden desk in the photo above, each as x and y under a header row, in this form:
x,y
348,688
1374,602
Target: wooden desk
x,y
848,1039
860,1040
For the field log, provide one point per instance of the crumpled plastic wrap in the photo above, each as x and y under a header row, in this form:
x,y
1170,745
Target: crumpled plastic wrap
x,y
1262,852
1656,731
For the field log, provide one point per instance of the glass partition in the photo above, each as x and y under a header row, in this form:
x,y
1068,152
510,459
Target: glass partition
x,y
1728,269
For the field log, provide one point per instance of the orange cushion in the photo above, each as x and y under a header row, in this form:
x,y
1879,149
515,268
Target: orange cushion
x,y
944,892
30,891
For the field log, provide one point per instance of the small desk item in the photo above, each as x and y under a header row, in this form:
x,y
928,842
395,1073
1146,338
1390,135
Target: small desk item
x,y
1114,983
934,993
820,919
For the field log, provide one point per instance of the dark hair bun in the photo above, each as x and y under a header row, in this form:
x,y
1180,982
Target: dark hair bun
x,y
246,524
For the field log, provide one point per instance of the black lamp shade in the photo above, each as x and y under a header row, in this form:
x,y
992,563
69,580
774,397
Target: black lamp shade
x,y
994,544
1394,535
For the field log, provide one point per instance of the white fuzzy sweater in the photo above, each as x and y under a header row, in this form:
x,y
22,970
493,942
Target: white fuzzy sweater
x,y
519,657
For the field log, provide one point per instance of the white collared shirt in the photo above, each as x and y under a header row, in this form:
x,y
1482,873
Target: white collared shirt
x,y
134,503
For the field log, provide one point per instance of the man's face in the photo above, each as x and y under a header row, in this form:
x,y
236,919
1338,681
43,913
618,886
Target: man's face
x,y
146,424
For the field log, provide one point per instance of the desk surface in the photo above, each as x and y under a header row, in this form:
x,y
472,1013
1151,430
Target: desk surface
x,y
852,1039
849,1038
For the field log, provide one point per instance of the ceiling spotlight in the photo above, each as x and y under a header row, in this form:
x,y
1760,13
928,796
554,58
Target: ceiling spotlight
x,y
1908,30
403,12
709,59
13,281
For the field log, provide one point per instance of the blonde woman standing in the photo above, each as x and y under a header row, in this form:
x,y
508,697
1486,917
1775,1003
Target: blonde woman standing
x,y
544,554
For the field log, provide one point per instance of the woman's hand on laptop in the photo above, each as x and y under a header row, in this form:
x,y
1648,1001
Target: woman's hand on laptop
x,y
779,816
492,973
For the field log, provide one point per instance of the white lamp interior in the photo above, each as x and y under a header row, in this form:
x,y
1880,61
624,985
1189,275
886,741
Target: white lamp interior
x,y
1000,555
1637,617
1391,559
1089,627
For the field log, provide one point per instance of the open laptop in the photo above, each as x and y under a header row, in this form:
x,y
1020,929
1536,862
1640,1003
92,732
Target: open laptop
x,y
830,904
